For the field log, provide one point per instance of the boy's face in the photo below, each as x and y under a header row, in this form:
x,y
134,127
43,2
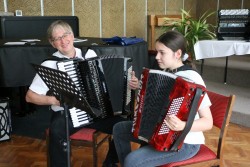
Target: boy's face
x,y
63,40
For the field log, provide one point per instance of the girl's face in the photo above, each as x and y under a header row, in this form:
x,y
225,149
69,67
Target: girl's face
x,y
166,58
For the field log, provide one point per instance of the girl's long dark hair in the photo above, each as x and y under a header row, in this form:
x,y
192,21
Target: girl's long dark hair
x,y
175,41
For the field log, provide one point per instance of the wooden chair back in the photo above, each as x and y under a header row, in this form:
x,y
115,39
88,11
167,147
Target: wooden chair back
x,y
157,21
221,109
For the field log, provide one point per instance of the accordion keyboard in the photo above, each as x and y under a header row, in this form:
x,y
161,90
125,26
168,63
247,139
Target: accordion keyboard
x,y
68,66
127,90
79,117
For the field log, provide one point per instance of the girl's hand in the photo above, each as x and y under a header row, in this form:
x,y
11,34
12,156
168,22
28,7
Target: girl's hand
x,y
174,123
134,82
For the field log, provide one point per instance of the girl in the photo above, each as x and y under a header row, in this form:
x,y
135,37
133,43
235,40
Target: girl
x,y
171,55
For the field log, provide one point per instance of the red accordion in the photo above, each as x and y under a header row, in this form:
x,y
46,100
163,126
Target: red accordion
x,y
161,94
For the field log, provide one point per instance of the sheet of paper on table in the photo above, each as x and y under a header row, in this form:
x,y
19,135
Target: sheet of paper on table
x,y
15,43
30,40
79,40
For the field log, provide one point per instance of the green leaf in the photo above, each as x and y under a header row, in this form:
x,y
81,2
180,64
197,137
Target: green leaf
x,y
192,29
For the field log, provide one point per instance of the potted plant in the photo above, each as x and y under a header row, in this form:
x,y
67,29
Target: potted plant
x,y
192,29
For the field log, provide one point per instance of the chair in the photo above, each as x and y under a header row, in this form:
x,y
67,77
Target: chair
x,y
221,111
157,21
85,137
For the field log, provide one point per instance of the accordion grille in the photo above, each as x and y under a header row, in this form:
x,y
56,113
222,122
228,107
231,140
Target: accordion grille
x,y
156,99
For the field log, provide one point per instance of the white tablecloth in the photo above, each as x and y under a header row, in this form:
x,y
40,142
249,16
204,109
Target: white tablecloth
x,y
214,48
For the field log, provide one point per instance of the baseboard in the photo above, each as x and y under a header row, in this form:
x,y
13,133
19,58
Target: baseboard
x,y
240,119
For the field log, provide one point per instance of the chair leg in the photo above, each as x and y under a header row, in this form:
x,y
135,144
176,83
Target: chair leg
x,y
95,159
47,145
96,144
94,148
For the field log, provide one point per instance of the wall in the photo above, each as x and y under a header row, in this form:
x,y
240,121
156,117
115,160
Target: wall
x,y
2,6
107,18
102,18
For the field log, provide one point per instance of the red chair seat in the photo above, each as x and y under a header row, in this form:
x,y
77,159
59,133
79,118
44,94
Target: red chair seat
x,y
83,134
85,137
204,154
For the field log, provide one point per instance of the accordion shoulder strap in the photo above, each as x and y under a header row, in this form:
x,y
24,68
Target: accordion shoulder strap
x,y
54,58
190,120
183,68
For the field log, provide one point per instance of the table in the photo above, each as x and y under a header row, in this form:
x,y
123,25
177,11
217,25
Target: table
x,y
15,60
218,48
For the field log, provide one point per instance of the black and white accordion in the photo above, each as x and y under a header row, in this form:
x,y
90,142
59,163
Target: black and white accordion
x,y
103,81
233,24
162,94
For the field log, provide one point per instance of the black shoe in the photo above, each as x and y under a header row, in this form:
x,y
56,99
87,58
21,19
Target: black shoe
x,y
105,164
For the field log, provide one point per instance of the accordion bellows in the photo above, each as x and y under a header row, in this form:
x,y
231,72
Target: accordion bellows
x,y
161,94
